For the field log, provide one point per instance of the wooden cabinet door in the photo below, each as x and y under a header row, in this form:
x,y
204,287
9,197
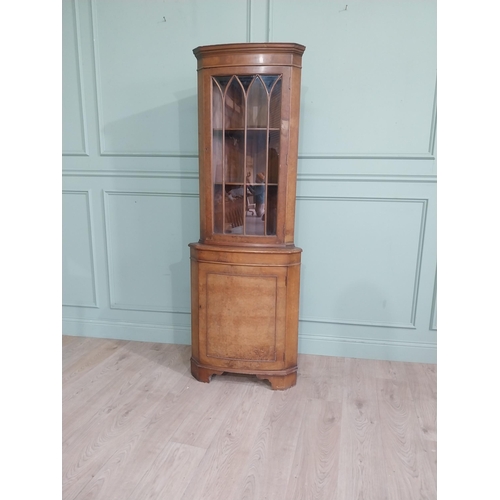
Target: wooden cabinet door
x,y
242,316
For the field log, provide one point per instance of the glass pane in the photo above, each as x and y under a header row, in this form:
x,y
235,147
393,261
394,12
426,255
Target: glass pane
x,y
218,209
217,131
234,105
234,147
222,81
264,113
246,148
234,209
246,80
273,164
217,154
275,106
256,174
216,105
234,137
273,156
269,81
273,161
271,210
257,104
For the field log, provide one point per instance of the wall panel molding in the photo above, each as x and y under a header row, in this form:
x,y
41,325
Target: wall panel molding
x,y
354,156
97,73
367,178
432,140
83,119
146,154
95,303
418,264
115,304
428,155
148,174
249,21
433,320
100,103
315,177
258,21
269,21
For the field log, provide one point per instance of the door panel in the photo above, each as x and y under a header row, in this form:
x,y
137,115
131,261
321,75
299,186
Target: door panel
x,y
242,316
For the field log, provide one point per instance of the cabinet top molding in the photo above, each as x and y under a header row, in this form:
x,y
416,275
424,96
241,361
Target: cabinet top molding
x,y
249,54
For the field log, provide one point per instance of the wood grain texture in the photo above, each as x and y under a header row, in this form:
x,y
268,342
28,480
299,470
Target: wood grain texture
x,y
94,357
362,474
321,377
241,324
137,425
226,459
272,454
409,473
422,382
75,350
314,473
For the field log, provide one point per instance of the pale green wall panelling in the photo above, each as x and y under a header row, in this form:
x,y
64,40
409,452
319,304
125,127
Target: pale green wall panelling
x,y
141,229
79,283
375,94
373,257
366,204
146,92
74,138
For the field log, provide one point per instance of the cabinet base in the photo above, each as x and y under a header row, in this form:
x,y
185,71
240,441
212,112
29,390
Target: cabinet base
x,y
279,380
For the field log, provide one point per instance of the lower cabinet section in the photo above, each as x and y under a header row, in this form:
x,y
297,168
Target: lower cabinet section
x,y
245,312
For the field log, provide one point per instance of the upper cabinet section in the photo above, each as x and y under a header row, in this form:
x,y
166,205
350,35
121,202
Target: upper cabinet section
x,y
248,132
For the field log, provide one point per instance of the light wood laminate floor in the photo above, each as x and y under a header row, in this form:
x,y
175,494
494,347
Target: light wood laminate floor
x,y
136,426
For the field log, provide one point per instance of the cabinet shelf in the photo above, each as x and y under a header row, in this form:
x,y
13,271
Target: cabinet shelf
x,y
246,183
249,129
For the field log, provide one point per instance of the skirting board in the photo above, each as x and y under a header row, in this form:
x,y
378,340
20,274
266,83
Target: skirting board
x,y
127,331
390,350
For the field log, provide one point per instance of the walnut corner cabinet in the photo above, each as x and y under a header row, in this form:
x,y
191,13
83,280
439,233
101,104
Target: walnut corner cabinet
x,y
245,269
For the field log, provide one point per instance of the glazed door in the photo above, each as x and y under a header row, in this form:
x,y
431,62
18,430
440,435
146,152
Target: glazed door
x,y
242,316
247,181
